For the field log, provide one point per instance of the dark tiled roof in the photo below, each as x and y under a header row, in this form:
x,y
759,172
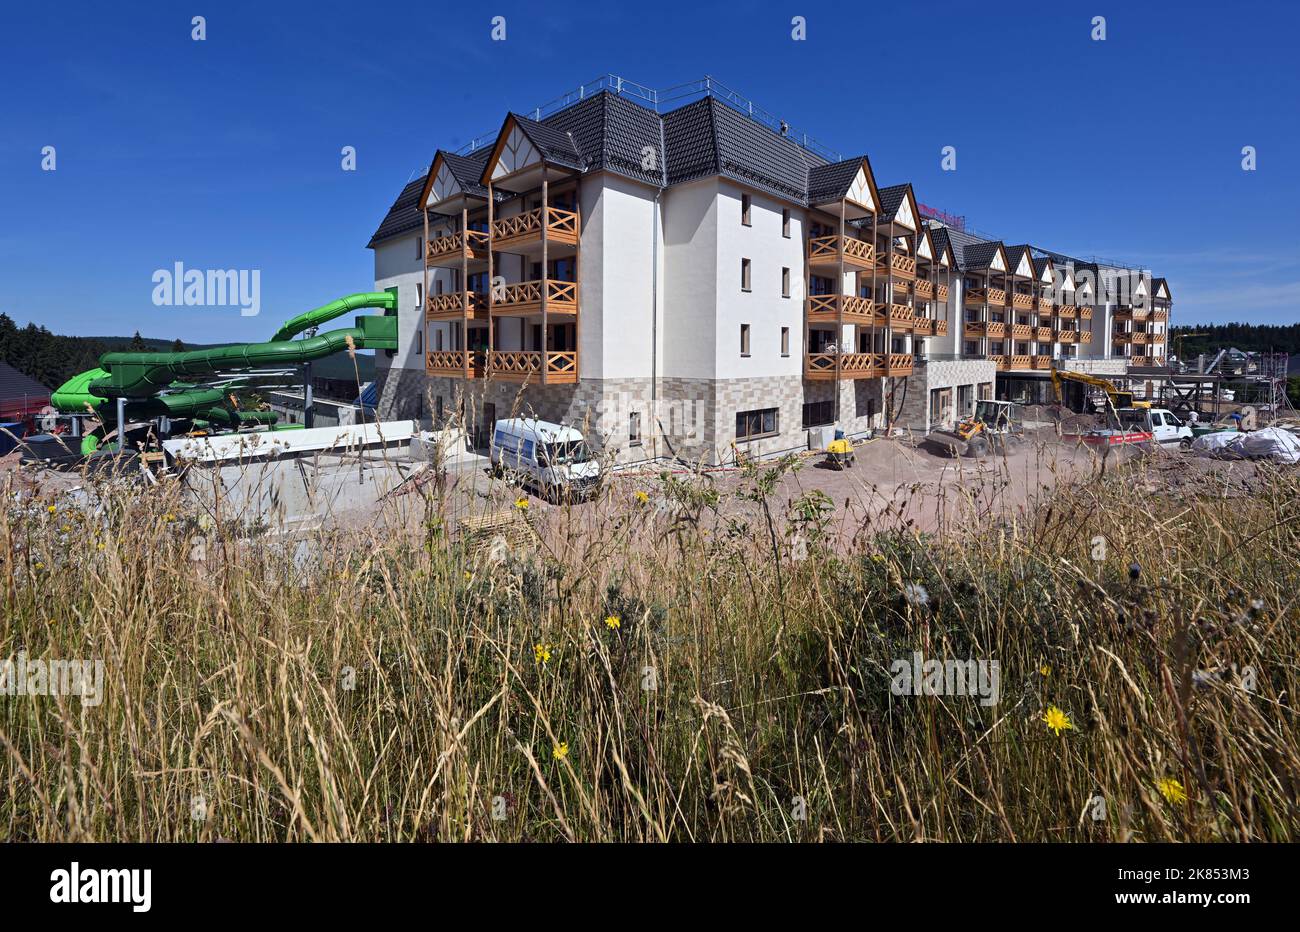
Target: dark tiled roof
x,y
751,153
1040,263
891,198
968,251
832,181
690,145
613,134
468,170
555,144
405,214
13,384
1014,254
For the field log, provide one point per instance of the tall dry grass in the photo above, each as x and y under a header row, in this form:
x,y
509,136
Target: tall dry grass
x,y
711,663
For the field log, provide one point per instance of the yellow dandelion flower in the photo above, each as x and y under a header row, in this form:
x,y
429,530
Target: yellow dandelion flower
x,y
542,653
52,509
613,622
468,576
1171,790
1045,669
99,546
521,503
1057,720
40,565
169,517
560,751
641,497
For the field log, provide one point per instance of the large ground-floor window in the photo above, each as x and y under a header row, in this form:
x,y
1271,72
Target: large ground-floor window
x,y
753,425
818,413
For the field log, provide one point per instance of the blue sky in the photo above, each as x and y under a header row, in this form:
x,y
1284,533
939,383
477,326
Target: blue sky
x,y
226,153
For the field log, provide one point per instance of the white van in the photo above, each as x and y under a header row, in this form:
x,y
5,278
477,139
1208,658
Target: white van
x,y
555,460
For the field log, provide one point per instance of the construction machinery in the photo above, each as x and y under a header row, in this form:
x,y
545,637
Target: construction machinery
x,y
1116,398
993,425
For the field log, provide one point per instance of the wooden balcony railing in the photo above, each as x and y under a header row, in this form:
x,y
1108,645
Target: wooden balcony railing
x,y
455,363
1043,334
1020,362
998,361
1085,312
923,326
526,228
827,250
1022,301
997,297
900,266
899,315
526,297
941,291
1042,361
941,328
851,365
1160,314
977,296
981,328
444,251
518,366
1046,304
1067,311
1146,360
1067,336
451,306
1085,336
900,364
924,288
1022,332
825,309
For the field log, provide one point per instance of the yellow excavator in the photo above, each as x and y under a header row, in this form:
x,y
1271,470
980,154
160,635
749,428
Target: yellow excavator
x,y
1116,397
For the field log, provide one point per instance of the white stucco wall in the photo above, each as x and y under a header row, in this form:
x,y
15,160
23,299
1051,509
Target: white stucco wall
x,y
690,225
398,262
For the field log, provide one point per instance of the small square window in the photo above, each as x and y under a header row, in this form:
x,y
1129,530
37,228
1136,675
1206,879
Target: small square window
x,y
745,206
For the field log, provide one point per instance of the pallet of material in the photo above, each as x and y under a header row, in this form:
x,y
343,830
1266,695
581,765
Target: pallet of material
x,y
481,532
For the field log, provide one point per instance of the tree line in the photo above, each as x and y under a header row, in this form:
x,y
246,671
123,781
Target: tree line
x,y
52,358
1210,338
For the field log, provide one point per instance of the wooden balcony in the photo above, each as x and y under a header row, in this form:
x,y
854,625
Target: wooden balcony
x,y
450,251
923,326
456,364
1146,360
526,298
1160,314
522,233
1045,304
1067,311
997,297
1019,362
1085,312
1042,361
924,288
941,328
452,306
1066,336
1125,338
899,364
981,328
517,366
941,291
999,362
1085,336
825,309
1022,301
1022,332
898,316
1043,334
821,366
825,252
977,297
900,266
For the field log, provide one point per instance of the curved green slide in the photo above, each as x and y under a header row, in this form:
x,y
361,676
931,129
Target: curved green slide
x,y
164,384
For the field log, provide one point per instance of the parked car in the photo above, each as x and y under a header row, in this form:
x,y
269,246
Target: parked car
x,y
555,460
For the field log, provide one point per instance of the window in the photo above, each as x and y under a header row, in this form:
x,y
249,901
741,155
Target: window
x,y
744,339
419,248
419,341
785,223
634,429
785,282
753,425
419,294
437,340
818,413
744,210
785,341
744,275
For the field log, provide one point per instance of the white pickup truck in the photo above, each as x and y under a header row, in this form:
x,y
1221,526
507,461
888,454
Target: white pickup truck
x,y
1161,423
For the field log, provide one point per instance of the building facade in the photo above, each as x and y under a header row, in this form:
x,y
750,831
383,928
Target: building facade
x,y
696,284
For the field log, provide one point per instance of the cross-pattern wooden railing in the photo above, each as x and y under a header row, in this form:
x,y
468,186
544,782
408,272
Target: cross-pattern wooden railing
x,y
1043,334
851,364
1045,304
1022,331
1161,314
454,302
997,297
941,291
998,360
1066,310
1085,336
825,308
899,315
1067,336
924,288
825,250
1042,361
1022,300
560,296
1085,312
899,264
977,296
923,326
900,363
453,245
941,328
562,224
453,362
1020,362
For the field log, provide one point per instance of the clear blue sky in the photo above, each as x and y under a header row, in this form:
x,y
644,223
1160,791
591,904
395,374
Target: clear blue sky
x,y
226,153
